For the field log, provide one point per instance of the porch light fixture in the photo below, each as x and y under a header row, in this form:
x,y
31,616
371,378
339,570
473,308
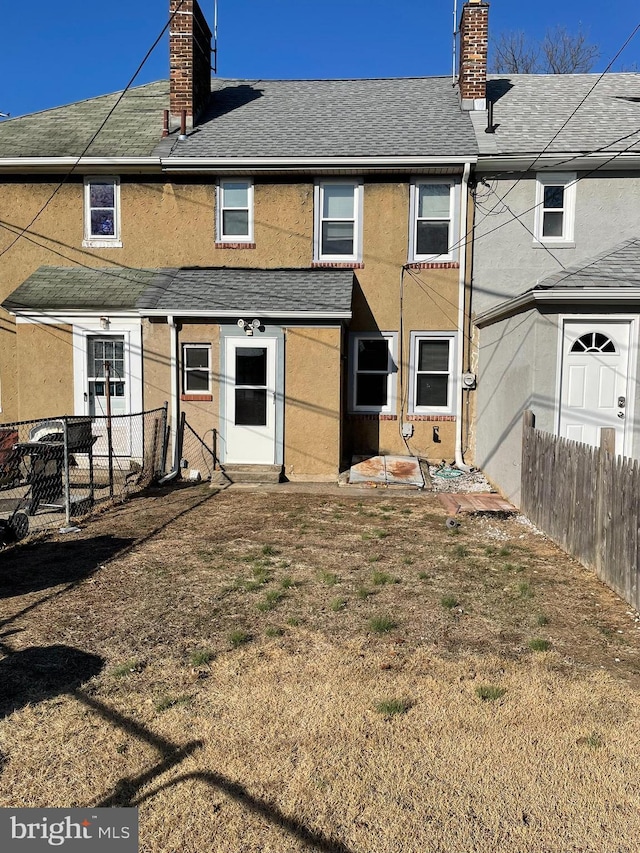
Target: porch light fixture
x,y
249,327
104,322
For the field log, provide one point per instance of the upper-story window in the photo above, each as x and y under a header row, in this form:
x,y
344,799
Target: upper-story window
x,y
432,233
235,211
338,221
555,208
102,212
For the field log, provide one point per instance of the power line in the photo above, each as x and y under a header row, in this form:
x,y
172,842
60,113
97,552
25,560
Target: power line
x,y
95,135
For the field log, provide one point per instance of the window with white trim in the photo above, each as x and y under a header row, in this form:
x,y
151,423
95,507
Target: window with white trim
x,y
373,372
432,372
196,368
338,221
235,211
102,212
555,208
432,206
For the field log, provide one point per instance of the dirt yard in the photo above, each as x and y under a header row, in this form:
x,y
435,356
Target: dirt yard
x,y
270,670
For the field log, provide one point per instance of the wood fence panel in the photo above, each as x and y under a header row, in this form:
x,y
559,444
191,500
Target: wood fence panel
x,y
588,501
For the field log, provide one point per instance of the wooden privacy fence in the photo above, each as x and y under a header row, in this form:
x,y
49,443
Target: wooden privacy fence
x,y
587,500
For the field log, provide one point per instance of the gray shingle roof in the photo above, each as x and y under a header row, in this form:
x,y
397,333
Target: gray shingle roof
x,y
332,118
270,292
617,267
53,288
529,109
281,292
133,130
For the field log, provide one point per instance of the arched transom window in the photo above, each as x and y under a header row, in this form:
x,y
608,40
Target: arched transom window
x,y
593,342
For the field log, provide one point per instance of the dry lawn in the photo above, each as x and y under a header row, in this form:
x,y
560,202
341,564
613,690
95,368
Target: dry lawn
x,y
278,671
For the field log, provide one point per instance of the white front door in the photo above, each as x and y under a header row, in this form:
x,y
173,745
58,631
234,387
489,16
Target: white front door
x,y
594,380
103,350
250,400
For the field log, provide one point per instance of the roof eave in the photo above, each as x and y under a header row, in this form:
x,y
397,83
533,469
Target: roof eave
x,y
573,161
579,295
80,164
316,164
237,312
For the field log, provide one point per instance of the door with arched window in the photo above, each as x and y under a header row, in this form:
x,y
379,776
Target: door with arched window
x,y
595,380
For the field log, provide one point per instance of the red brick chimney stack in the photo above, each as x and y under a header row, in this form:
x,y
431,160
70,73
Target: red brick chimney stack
x,y
474,43
189,60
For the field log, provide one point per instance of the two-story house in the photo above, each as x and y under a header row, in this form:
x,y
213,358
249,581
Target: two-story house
x,y
284,261
556,279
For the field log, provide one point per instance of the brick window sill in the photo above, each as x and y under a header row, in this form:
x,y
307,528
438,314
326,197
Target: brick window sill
x,y
429,265
235,245
197,398
439,418
371,416
338,265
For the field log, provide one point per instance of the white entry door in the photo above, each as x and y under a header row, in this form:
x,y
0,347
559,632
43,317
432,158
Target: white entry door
x,y
595,371
103,350
250,400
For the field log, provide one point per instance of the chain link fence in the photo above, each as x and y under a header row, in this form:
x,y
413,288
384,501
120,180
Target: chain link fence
x,y
54,470
198,454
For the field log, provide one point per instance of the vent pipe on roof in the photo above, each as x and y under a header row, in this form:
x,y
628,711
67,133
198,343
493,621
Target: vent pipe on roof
x,y
474,44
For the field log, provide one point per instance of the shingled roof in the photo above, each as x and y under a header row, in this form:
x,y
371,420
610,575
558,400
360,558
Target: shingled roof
x,y
132,130
396,117
80,288
393,117
618,267
584,112
194,290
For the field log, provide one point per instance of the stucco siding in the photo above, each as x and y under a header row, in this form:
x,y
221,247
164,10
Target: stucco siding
x,y
506,263
45,367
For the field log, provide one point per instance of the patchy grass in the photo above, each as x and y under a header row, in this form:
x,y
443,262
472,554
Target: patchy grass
x,y
392,707
174,577
490,692
539,645
382,624
449,601
381,578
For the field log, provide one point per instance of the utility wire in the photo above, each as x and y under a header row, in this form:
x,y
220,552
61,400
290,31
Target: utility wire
x,y
95,135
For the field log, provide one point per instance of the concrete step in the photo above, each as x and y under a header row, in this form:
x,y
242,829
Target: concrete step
x,y
253,473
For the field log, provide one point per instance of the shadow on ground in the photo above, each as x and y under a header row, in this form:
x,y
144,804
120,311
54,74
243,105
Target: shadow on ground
x,y
41,565
37,673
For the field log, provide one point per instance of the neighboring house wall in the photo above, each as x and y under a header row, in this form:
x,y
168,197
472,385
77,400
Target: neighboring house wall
x,y
506,263
517,371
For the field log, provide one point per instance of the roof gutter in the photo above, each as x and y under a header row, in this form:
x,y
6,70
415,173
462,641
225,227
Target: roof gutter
x,y
189,164
260,312
573,160
580,295
63,164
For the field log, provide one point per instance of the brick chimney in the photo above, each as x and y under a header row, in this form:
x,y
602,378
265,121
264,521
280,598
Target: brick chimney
x,y
189,60
474,42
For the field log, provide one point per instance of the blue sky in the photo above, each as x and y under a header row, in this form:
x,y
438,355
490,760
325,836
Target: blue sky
x,y
73,50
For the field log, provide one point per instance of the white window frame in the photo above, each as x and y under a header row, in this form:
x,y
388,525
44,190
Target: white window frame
x,y
318,206
452,385
451,254
186,370
221,237
567,180
392,346
100,241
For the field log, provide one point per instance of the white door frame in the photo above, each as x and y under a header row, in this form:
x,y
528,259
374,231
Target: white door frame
x,y
269,343
593,319
130,328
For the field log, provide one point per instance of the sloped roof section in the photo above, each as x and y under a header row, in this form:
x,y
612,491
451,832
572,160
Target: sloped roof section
x,y
194,290
529,110
272,292
80,288
619,267
132,130
330,118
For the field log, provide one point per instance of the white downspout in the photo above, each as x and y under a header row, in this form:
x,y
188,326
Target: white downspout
x,y
173,367
460,463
